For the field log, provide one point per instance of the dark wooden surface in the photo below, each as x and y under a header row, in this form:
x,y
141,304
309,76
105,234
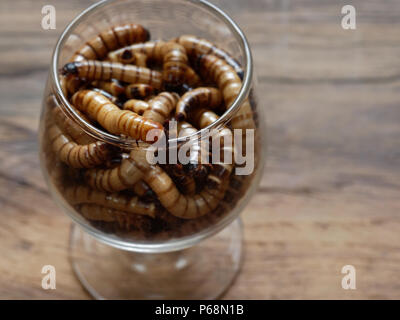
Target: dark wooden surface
x,y
330,193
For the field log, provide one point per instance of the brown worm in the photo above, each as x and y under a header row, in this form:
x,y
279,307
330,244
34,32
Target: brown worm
x,y
73,154
112,87
139,91
198,46
82,194
70,127
138,106
202,118
184,179
113,119
141,189
121,177
229,83
111,39
70,84
161,106
105,70
125,220
151,49
203,96
176,69
109,96
179,205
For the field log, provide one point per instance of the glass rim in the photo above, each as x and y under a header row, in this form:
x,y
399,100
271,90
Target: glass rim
x,y
129,142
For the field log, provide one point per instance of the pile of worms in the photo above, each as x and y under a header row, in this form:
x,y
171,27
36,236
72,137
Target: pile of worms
x,y
126,84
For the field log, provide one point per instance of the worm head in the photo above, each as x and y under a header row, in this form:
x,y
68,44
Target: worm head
x,y
69,68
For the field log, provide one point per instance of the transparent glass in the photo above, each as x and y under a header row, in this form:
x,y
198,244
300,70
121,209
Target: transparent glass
x,y
155,230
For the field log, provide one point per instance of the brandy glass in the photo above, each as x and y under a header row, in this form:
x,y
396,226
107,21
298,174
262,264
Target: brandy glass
x,y
125,244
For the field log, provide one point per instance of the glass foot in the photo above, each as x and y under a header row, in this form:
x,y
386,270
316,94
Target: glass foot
x,y
203,271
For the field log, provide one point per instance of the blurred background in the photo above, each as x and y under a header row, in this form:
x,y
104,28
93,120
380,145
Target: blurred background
x,y
330,195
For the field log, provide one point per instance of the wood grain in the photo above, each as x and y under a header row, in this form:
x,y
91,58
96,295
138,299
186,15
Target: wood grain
x,y
330,192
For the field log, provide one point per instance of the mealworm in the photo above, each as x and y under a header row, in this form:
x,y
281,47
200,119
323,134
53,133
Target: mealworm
x,y
109,96
203,96
185,129
105,70
179,205
151,49
125,220
140,188
113,87
113,119
77,156
230,85
121,177
175,62
184,179
70,84
139,91
176,69
70,127
111,39
199,46
136,58
203,118
79,194
161,106
138,106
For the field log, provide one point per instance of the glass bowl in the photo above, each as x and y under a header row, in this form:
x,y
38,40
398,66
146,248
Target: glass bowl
x,y
140,227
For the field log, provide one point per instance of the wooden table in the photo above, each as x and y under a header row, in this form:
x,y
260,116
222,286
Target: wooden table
x,y
330,193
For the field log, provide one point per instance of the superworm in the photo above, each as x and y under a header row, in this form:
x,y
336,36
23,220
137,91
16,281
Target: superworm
x,y
112,118
125,220
70,127
179,205
173,57
136,58
182,206
184,179
204,96
141,189
121,177
70,84
77,156
139,91
112,87
230,85
203,118
138,106
79,194
105,70
198,46
151,49
161,106
112,39
109,96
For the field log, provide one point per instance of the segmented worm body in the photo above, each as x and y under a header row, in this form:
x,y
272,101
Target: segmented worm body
x,y
179,205
112,39
109,96
105,70
205,97
70,127
139,91
202,118
184,179
230,84
112,118
138,106
197,46
113,87
161,106
176,70
125,220
81,194
121,177
75,155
